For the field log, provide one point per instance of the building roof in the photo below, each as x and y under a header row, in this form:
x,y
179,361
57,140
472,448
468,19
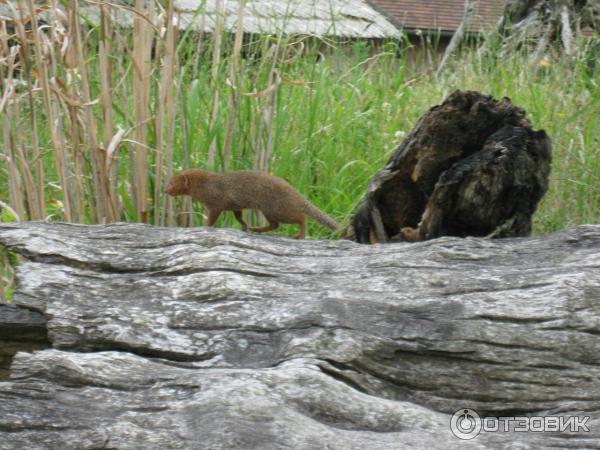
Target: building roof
x,y
345,18
444,15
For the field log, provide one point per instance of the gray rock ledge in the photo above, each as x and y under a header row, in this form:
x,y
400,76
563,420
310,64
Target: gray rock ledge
x,y
216,339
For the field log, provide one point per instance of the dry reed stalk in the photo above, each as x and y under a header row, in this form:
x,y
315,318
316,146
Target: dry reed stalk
x,y
186,204
171,115
62,53
52,114
68,95
216,61
268,116
106,93
264,139
18,154
8,95
104,212
200,41
38,208
14,188
142,49
165,123
263,142
38,164
235,76
264,152
76,144
159,129
9,107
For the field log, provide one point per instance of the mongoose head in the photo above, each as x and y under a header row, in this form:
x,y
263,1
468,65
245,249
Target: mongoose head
x,y
179,184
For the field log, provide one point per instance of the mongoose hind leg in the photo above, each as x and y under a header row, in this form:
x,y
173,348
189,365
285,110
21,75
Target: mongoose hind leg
x,y
302,233
238,216
213,215
272,225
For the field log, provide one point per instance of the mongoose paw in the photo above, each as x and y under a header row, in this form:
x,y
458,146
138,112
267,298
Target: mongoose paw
x,y
410,234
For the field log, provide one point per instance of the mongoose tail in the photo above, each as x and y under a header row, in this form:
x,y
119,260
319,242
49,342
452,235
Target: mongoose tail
x,y
314,212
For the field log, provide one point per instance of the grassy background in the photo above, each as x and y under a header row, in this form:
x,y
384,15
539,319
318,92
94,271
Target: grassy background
x,y
336,115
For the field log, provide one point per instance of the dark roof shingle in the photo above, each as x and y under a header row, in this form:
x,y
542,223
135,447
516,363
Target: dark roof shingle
x,y
445,15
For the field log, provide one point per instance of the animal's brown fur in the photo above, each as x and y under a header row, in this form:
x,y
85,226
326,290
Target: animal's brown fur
x,y
247,189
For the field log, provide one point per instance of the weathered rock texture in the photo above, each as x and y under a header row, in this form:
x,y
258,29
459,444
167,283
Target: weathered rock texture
x,y
212,338
471,166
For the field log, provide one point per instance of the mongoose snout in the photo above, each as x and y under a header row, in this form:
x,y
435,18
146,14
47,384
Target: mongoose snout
x,y
178,185
246,189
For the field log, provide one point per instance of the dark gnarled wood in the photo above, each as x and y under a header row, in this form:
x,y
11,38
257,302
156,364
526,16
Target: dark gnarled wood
x,y
213,338
542,23
472,166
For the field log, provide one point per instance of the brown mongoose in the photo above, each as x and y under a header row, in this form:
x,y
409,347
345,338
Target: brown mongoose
x,y
248,189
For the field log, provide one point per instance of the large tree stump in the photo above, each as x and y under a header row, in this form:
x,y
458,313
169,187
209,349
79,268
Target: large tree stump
x,y
216,339
472,166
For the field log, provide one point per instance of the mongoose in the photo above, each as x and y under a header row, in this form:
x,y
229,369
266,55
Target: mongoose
x,y
248,189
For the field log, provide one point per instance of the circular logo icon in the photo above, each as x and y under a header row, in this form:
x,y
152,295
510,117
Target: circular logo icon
x,y
465,424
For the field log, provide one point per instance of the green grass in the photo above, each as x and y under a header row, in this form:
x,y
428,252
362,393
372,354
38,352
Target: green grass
x,y
338,119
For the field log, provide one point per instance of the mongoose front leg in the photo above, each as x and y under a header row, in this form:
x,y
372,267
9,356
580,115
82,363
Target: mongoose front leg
x,y
213,215
302,233
271,226
410,234
238,217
